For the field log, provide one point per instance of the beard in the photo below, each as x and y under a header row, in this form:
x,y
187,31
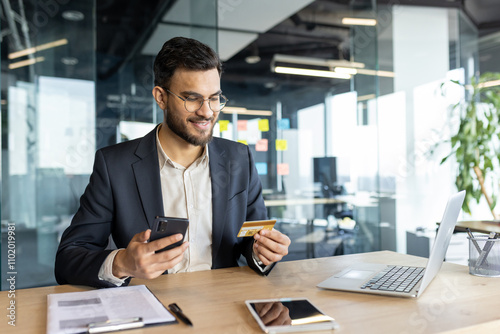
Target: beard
x,y
199,138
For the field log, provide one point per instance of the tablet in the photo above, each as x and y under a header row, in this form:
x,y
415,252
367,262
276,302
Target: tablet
x,y
289,315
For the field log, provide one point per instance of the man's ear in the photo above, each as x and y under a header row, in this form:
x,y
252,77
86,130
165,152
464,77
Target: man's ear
x,y
160,97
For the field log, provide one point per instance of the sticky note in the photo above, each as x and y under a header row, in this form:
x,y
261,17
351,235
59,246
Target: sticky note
x,y
261,168
223,124
281,145
242,141
283,169
264,125
261,145
284,124
242,125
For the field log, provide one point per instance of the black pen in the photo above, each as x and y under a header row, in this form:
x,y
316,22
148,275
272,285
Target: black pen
x,y
178,312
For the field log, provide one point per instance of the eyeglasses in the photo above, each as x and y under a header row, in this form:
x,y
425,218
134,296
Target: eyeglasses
x,y
194,103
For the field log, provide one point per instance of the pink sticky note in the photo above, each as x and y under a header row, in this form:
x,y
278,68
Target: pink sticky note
x,y
283,169
261,145
242,125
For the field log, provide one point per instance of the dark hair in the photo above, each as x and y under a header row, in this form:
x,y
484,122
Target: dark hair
x,y
185,53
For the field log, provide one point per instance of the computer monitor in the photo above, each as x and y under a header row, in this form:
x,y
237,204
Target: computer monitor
x,y
325,170
325,173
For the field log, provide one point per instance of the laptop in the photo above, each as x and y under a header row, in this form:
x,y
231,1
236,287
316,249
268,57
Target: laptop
x,y
401,281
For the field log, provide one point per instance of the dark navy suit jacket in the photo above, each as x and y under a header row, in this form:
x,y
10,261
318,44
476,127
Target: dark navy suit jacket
x,y
124,196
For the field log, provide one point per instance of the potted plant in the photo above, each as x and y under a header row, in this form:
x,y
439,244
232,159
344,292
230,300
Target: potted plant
x,y
476,142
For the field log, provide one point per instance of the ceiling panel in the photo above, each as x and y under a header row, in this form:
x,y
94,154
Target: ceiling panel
x,y
239,23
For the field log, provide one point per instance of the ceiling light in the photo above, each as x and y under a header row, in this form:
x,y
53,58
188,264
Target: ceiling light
x,y
346,70
73,15
40,47
309,72
330,63
252,59
358,21
245,111
387,74
26,62
71,61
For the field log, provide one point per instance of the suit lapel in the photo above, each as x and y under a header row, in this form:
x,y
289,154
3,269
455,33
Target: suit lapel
x,y
220,176
147,177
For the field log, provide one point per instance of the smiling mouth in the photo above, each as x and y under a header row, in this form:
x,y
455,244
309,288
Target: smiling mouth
x,y
201,124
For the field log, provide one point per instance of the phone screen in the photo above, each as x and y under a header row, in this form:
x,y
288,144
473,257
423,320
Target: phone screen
x,y
280,314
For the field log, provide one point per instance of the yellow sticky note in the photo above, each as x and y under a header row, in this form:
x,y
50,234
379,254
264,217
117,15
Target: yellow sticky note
x,y
263,125
243,141
283,169
281,145
223,124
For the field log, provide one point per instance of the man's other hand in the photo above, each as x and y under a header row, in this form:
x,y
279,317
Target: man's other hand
x,y
270,246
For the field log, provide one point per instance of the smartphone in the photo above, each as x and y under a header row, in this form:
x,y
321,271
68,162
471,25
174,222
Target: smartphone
x,y
167,226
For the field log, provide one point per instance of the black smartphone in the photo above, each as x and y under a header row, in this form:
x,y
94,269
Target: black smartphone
x,y
167,226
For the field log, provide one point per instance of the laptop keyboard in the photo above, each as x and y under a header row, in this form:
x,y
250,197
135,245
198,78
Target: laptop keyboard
x,y
395,278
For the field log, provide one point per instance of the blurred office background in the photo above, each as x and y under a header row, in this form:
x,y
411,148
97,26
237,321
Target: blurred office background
x,y
343,152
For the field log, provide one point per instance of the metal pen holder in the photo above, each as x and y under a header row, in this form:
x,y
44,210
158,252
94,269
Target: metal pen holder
x,y
484,256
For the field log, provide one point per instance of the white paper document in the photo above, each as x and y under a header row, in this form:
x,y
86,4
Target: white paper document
x,y
72,312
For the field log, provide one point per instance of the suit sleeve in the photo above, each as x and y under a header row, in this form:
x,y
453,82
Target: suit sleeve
x,y
82,249
256,210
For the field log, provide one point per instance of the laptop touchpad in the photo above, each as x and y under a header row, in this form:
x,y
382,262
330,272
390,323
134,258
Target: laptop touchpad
x,y
357,274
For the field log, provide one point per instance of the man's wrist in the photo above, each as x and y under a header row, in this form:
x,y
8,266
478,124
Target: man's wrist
x,y
106,270
117,270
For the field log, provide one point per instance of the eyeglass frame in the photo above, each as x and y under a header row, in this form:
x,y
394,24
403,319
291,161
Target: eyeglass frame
x,y
202,101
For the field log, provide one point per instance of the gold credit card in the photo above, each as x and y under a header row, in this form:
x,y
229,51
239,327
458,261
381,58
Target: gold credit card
x,y
251,227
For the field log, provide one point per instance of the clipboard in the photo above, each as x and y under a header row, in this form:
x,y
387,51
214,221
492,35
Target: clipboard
x,y
102,310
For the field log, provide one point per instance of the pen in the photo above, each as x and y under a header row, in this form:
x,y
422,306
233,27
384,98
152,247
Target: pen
x,y
486,249
472,238
474,242
178,312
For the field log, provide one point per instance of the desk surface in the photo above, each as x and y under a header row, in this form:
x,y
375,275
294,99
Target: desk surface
x,y
479,226
213,300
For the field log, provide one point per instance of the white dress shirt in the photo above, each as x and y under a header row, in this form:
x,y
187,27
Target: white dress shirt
x,y
186,193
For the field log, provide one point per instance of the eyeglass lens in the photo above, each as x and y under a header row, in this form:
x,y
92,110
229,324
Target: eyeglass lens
x,y
216,103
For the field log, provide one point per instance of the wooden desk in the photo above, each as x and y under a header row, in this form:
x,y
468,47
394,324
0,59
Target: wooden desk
x,y
213,300
478,226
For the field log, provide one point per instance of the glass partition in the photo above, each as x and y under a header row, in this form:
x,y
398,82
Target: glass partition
x,y
295,93
48,130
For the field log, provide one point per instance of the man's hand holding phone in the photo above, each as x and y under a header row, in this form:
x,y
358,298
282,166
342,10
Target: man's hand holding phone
x,y
150,253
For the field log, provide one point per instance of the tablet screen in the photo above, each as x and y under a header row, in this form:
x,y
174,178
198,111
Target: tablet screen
x,y
280,314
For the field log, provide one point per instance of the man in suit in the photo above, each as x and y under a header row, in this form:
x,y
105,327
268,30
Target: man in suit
x,y
177,170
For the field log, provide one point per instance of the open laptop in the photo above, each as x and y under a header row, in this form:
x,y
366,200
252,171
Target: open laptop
x,y
405,281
